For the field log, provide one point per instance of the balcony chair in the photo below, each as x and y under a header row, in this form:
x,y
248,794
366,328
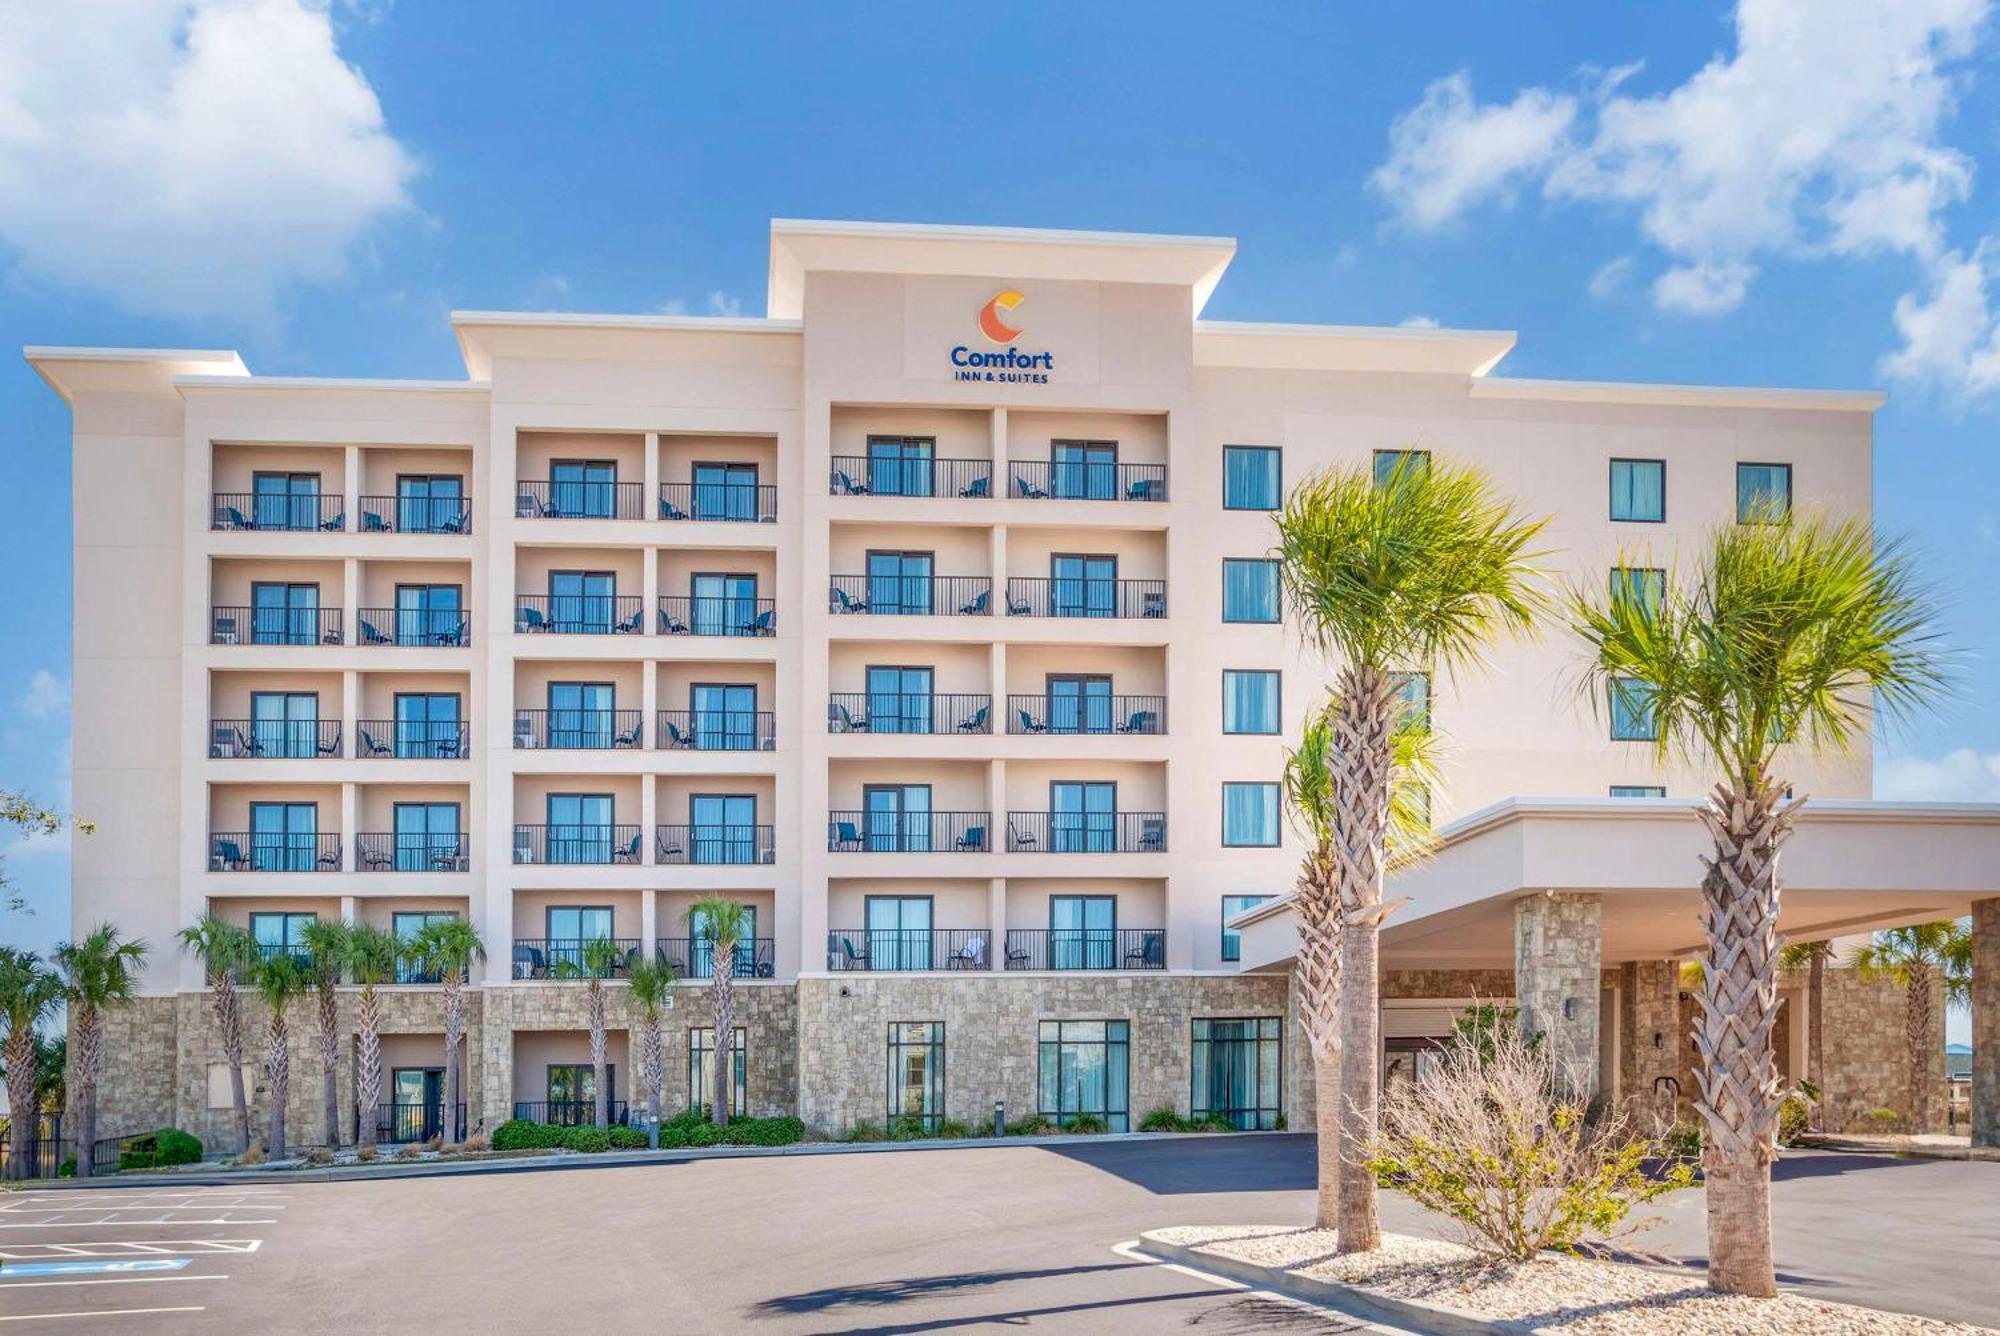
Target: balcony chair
x,y
530,619
373,523
1016,839
846,486
237,519
970,956
330,747
632,625
369,746
842,721
451,748
669,850
671,625
331,636
369,635
846,603
1029,490
973,840
1149,954
978,606
229,855
1030,724
978,488
1019,607
763,624
676,738
1141,721
670,511
457,634
1152,835
1154,605
224,630
852,957
456,524
335,524
846,835
1145,489
976,721
524,847
628,854
376,859
529,962
1017,956
329,861
629,738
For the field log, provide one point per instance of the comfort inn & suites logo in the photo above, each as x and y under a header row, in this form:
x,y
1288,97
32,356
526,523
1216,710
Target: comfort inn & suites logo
x,y
1012,366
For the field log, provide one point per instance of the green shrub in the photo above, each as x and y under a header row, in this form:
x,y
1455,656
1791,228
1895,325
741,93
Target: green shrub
x,y
764,1132
1684,1140
1884,1117
1087,1124
1030,1125
908,1128
1164,1119
588,1139
627,1138
953,1131
865,1130
67,1169
704,1134
517,1134
1794,1116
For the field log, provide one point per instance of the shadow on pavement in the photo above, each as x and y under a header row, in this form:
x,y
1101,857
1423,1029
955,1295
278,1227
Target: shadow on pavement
x,y
1263,1162
1825,1164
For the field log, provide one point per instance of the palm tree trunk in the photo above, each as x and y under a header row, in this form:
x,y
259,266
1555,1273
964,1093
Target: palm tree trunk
x,y
721,1054
1737,1075
594,1004
1317,969
368,1059
229,1027
653,1054
1816,1037
84,1065
20,1054
329,1063
1917,1030
278,1069
454,1033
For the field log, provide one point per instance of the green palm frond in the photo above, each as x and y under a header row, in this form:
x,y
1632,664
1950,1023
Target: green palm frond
x,y
1311,799
722,921
446,946
279,979
652,982
1944,949
372,954
29,990
596,958
218,944
100,968
326,941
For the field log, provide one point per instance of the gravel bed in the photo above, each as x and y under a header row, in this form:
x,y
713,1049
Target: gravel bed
x,y
1563,1294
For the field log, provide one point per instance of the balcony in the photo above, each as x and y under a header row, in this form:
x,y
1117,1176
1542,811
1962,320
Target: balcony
x,y
719,615
716,730
563,958
273,739
539,499
389,852
856,475
911,596
1086,832
313,511
1085,480
1036,596
715,845
274,626
578,730
1086,949
741,502
416,514
694,957
585,845
897,712
579,614
571,1112
298,955
262,851
901,950
442,628
1087,714
412,739
909,832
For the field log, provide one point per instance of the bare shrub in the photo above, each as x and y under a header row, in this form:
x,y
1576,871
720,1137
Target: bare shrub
x,y
366,1154
478,1141
411,1151
253,1156
319,1155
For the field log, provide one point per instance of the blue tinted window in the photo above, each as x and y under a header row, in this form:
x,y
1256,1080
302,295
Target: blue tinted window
x,y
1763,493
1250,815
1232,905
1250,477
1249,590
1249,700
1388,461
1639,490
1638,790
1632,711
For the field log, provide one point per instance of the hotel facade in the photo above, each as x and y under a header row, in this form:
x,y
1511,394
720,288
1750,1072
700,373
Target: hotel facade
x,y
931,617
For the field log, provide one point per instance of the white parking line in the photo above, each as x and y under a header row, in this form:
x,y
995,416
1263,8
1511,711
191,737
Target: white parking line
x,y
115,1280
96,1312
95,1224
38,1252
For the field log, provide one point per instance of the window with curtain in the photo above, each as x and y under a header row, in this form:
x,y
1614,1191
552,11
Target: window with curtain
x,y
1639,490
1413,697
1763,493
1388,461
1632,711
1249,589
1250,700
916,1072
1638,790
1084,1072
1250,477
701,1076
282,934
1250,815
1646,586
1236,1071
1232,905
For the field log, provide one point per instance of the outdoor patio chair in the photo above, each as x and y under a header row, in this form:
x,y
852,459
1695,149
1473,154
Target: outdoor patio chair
x,y
1017,956
230,855
331,747
457,634
676,738
529,962
978,487
670,511
629,738
971,955
1145,489
1141,721
852,957
978,606
373,523
531,619
376,859
334,525
1153,835
1030,724
632,625
846,486
1029,490
846,603
763,624
1018,839
671,625
369,746
973,840
329,861
628,854
669,850
1019,607
369,635
837,715
237,519
976,721
1150,954
845,835
457,523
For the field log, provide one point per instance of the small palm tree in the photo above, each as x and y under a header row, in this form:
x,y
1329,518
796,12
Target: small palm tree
x,y
447,948
279,980
723,924
372,955
1786,634
99,972
325,941
226,954
29,992
1425,567
597,961
1812,958
1921,960
652,994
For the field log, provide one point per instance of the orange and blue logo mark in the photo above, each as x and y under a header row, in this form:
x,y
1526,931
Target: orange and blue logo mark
x,y
1012,366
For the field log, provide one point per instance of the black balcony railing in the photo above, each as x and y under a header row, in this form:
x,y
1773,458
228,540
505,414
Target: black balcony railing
x,y
288,514
907,712
572,1112
412,971
274,739
566,958
715,844
539,500
1087,714
413,739
717,615
580,844
716,730
444,628
299,955
1085,480
1086,832
912,595
694,957
581,614
1084,596
416,514
414,1122
902,949
909,832
274,626
578,730
391,852
855,475
264,851
744,502
1086,949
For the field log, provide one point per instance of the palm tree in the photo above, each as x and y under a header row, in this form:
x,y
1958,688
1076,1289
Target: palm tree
x,y
372,956
1793,633
279,978
225,953
29,992
98,972
1919,959
1423,568
447,948
597,961
1812,957
723,924
652,994
325,941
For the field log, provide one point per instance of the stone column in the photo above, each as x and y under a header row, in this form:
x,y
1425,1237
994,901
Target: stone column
x,y
1986,1023
1557,954
1650,1038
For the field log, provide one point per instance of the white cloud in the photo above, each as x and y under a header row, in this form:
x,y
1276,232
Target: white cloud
x,y
1449,151
1610,277
1419,322
188,158
1961,776
47,696
1949,336
717,302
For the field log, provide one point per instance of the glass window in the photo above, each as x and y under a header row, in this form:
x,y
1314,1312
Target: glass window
x,y
1632,711
284,837
1236,1072
1083,585
1250,477
282,934
1639,490
723,827
427,725
1232,905
1763,493
1413,697
1083,932
1250,815
701,954
572,1092
899,699
406,924
1644,585
916,1072
1084,470
285,723
900,582
1388,461
1076,703
898,931
1250,700
429,615
579,827
725,491
722,716
701,1076
902,465
284,614
1249,590
1084,1072
1638,790
896,818
427,838
1083,816
287,500
583,488
428,503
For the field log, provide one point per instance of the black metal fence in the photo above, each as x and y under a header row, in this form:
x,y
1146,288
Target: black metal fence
x,y
907,712
572,1112
904,949
274,626
717,730
1087,714
857,475
1086,480
43,1154
415,1122
912,595
269,851
444,628
1086,949
578,730
416,514
568,958
1086,832
716,844
412,739
694,957
576,844
580,614
744,502
389,852
273,739
289,514
537,499
909,832
717,615
1085,596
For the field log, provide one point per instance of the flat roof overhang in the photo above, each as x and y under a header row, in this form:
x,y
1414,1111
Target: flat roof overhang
x,y
1851,867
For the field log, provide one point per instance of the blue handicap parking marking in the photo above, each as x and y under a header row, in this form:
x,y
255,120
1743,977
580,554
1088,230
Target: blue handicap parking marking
x,y
14,1269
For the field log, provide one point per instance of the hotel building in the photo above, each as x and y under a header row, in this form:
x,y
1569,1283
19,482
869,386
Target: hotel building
x,y
931,617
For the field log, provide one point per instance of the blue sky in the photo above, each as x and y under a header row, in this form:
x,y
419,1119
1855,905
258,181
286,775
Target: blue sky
x,y
1678,193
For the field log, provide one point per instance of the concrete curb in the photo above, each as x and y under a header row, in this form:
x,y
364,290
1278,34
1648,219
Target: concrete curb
x,y
1844,1146
1367,1305
215,1176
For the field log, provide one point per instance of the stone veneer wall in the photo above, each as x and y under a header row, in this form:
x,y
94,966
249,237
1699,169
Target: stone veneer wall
x,y
1867,1053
